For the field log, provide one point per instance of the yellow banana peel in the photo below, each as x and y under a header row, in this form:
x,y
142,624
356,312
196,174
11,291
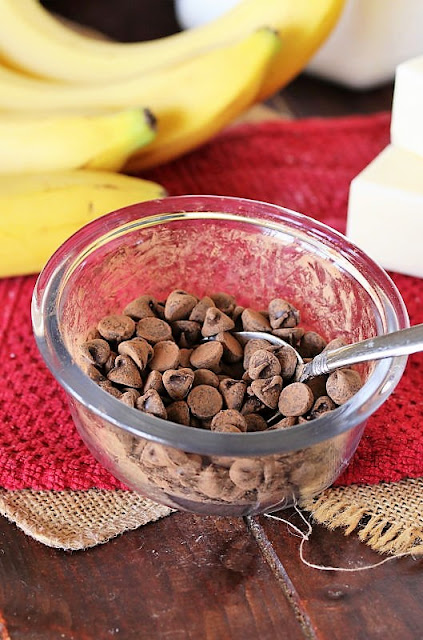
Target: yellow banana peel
x,y
34,41
190,117
39,212
35,143
192,101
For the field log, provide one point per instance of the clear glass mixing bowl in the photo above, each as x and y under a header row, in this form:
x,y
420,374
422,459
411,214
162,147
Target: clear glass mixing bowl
x,y
255,251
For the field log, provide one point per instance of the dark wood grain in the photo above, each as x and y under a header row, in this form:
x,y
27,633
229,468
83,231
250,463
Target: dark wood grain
x,y
182,577
308,96
384,602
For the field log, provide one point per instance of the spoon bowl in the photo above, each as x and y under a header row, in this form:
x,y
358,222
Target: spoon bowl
x,y
397,343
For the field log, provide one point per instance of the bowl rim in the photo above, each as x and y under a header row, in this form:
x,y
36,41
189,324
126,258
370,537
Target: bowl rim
x,y
83,390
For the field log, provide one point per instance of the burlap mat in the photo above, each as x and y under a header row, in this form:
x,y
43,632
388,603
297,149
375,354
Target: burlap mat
x,y
387,517
75,520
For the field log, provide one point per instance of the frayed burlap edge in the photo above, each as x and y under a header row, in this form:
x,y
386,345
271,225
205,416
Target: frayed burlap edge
x,y
75,520
388,517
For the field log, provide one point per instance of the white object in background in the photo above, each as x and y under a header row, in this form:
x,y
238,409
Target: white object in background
x,y
193,13
371,38
407,109
385,211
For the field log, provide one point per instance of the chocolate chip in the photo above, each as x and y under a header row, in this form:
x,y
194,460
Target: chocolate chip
x,y
184,357
291,336
154,455
236,316
92,334
165,356
234,370
254,321
322,405
336,343
289,421
92,372
232,350
142,307
154,330
159,309
151,402
207,356
154,381
282,314
95,351
215,322
198,314
138,350
287,359
179,305
311,344
178,382
251,347
296,399
268,390
224,301
186,332
246,473
226,428
108,386
263,364
317,385
204,401
255,422
129,397
125,372
205,376
116,327
110,362
342,384
212,482
229,417
178,412
252,405
233,392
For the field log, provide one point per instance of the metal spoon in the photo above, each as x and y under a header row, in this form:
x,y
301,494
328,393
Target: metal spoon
x,y
397,343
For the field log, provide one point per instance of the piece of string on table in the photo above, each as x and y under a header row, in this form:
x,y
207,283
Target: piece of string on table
x,y
305,537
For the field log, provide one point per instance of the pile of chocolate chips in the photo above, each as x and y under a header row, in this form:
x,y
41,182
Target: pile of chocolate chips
x,y
153,357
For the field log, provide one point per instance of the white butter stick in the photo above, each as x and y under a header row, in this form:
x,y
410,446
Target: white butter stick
x,y
407,107
385,211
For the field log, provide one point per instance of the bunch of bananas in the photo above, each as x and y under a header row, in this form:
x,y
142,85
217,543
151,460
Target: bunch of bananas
x,y
81,107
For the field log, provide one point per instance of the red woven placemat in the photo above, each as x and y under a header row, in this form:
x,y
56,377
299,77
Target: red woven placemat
x,y
304,165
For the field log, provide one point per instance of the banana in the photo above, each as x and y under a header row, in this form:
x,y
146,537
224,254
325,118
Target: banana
x,y
32,144
38,212
191,101
35,42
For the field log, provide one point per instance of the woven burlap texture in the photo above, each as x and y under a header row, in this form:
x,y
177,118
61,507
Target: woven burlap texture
x,y
387,517
75,520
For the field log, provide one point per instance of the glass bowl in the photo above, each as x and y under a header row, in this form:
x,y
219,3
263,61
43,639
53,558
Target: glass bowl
x,y
203,244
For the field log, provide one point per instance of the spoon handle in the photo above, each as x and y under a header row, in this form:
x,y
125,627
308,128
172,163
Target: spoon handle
x,y
397,343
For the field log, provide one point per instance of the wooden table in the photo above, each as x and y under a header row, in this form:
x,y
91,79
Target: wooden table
x,y
212,578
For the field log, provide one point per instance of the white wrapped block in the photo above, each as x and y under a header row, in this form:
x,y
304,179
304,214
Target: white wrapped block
x,y
407,107
385,212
